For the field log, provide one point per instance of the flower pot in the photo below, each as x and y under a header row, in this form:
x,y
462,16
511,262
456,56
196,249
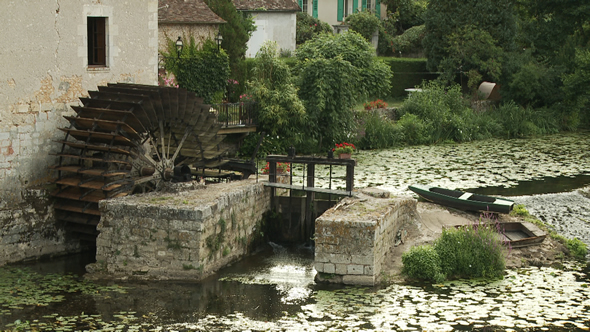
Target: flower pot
x,y
344,156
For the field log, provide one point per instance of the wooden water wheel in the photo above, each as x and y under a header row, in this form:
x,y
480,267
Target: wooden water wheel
x,y
127,138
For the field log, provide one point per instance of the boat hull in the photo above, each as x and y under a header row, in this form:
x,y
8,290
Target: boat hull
x,y
517,234
463,200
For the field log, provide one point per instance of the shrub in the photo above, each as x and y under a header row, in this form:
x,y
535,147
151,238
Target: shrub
x,y
379,133
364,22
409,42
443,113
309,27
422,262
577,248
471,251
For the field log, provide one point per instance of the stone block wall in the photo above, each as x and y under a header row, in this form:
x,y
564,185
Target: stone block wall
x,y
183,235
353,237
28,229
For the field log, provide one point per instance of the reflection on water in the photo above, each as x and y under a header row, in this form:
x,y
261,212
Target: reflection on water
x,y
274,289
547,185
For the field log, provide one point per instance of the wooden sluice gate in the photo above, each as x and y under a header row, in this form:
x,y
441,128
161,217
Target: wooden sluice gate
x,y
297,196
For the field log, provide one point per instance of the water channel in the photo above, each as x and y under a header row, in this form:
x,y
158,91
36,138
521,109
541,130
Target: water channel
x,y
274,290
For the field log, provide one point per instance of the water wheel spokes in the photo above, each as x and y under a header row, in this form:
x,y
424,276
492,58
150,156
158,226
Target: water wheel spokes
x,y
125,139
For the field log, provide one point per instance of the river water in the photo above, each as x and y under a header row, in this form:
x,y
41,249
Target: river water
x,y
274,290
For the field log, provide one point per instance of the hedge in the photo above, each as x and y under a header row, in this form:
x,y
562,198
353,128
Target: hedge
x,y
407,73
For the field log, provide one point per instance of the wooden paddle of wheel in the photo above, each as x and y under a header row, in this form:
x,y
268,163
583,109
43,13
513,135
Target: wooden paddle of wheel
x,y
127,138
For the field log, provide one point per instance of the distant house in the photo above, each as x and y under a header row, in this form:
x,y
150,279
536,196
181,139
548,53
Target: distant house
x,y
335,11
186,18
275,20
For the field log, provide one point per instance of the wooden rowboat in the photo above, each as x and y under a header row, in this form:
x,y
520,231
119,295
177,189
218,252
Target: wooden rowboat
x,y
463,200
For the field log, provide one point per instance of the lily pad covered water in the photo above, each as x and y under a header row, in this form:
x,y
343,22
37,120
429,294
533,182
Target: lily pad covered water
x,y
275,291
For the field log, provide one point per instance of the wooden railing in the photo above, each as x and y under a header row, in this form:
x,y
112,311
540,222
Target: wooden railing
x,y
235,114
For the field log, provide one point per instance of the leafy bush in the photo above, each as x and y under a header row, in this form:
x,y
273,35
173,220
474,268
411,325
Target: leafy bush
x,y
335,71
442,114
364,22
414,130
422,262
577,248
309,27
410,41
379,133
280,111
471,251
194,65
516,121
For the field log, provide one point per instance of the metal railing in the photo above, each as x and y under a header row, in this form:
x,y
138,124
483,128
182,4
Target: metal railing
x,y
235,114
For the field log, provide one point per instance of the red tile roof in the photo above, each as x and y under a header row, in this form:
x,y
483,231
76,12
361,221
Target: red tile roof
x,y
267,5
186,11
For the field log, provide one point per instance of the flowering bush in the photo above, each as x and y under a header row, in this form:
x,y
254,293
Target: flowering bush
x,y
281,168
232,90
375,104
166,81
344,148
244,98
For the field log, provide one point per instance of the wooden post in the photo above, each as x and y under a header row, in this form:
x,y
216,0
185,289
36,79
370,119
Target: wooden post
x,y
349,178
310,198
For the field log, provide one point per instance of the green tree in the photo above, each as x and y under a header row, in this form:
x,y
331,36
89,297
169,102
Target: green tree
x,y
280,112
308,27
204,70
336,71
363,22
406,13
494,20
236,32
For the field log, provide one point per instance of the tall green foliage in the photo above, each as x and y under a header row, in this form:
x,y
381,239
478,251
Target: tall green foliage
x,y
236,32
204,71
446,22
308,27
280,112
438,114
334,73
364,22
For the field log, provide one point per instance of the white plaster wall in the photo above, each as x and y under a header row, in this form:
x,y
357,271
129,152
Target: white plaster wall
x,y
327,11
43,69
276,26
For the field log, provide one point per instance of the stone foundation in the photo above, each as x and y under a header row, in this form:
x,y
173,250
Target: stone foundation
x,y
185,235
353,237
28,229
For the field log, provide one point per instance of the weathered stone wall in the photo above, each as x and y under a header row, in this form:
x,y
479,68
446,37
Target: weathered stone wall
x,y
43,70
200,32
28,229
353,237
184,235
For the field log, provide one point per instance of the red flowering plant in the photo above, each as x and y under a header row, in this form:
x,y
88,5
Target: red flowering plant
x,y
375,104
341,148
281,168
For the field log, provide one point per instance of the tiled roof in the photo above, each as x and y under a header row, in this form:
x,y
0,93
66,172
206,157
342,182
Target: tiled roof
x,y
186,11
267,5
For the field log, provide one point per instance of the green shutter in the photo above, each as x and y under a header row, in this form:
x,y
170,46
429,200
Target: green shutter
x,y
355,6
315,9
364,4
340,13
300,2
378,8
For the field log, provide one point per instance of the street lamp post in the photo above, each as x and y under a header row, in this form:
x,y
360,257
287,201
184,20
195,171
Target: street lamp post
x,y
219,39
179,46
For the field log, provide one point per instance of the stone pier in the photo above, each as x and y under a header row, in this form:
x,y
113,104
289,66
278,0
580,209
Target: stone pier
x,y
353,237
187,234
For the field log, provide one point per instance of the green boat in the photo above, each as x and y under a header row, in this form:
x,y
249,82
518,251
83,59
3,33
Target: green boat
x,y
462,200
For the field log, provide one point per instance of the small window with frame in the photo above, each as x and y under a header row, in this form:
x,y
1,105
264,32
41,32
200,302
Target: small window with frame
x,y
97,42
